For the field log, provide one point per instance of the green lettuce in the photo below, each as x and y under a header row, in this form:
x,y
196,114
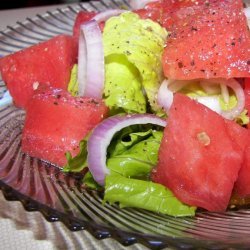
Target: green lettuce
x,y
73,83
123,89
89,181
135,44
144,194
79,162
133,155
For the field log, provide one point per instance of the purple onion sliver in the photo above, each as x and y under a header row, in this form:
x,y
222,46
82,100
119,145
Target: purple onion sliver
x,y
91,61
105,15
139,4
82,63
6,99
102,135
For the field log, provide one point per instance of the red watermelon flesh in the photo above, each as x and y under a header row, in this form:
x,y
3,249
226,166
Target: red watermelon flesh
x,y
208,39
212,42
198,160
56,122
49,62
238,134
242,185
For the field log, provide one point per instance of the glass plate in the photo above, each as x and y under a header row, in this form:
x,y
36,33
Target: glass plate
x,y
41,186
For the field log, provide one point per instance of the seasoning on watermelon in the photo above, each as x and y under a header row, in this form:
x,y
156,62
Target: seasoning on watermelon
x,y
49,62
198,159
56,122
208,39
211,41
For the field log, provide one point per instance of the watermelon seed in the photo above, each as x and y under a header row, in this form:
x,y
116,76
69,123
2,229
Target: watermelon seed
x,y
35,85
203,138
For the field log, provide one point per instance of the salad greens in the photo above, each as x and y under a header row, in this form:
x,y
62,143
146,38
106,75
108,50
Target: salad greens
x,y
132,49
144,194
133,74
131,156
79,162
123,89
134,154
73,84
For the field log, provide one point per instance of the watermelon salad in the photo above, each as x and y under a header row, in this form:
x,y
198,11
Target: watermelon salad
x,y
151,104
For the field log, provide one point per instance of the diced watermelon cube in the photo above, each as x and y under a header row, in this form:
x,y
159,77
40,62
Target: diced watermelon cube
x,y
198,159
207,39
56,122
49,62
242,185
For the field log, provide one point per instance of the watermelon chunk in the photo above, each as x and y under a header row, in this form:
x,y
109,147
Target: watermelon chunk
x,y
198,160
242,185
56,122
49,62
212,41
208,39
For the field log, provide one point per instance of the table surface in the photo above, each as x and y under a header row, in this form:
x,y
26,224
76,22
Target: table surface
x,y
20,229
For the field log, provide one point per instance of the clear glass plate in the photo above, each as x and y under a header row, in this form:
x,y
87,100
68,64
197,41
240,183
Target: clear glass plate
x,y
41,186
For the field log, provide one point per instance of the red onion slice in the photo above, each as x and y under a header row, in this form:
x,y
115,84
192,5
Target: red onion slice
x,y
169,87
225,93
247,12
236,87
105,15
211,102
6,99
102,135
210,89
90,61
165,96
139,4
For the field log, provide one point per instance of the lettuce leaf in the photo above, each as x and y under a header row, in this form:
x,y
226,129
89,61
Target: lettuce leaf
x,y
123,89
89,181
141,42
132,155
144,194
73,83
79,162
137,155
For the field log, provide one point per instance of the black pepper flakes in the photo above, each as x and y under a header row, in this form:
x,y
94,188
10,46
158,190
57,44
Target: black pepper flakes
x,y
180,65
94,102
